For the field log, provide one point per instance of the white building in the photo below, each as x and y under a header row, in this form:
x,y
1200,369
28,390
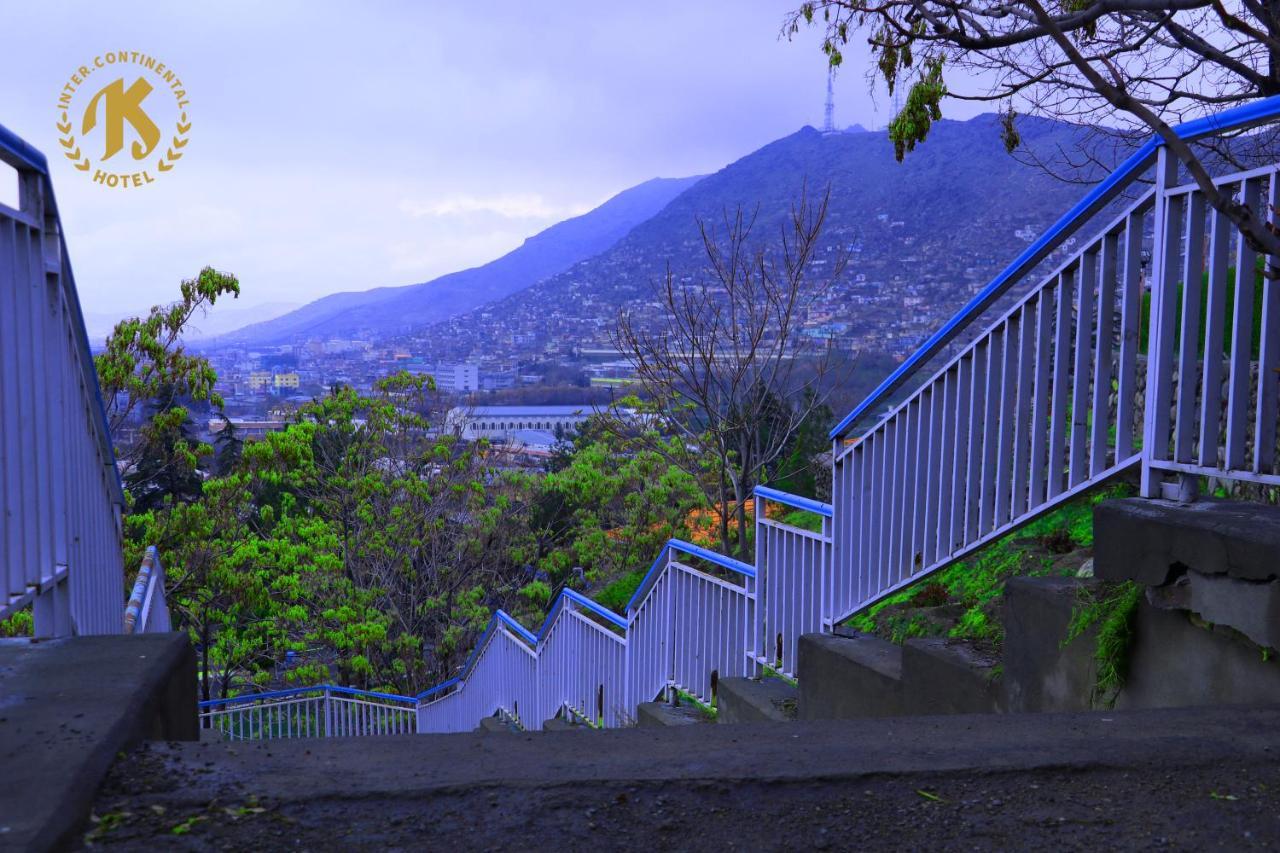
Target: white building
x,y
499,423
457,377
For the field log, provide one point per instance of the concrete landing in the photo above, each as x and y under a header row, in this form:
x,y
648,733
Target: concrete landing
x,y
1148,540
750,700
67,707
1206,777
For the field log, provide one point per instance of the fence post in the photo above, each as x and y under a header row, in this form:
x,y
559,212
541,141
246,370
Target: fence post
x,y
670,633
327,716
1165,252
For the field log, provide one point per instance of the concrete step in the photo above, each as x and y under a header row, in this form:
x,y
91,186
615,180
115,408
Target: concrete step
x,y
944,676
752,700
67,708
658,714
497,725
1040,673
847,677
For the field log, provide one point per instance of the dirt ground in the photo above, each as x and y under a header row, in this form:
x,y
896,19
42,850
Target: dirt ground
x,y
150,803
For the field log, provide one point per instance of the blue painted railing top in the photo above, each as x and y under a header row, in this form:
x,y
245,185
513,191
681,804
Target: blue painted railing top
x,y
1097,198
298,691
796,501
21,155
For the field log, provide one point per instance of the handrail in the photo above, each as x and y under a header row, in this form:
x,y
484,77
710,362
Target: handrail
x,y
524,633
444,685
712,557
133,610
644,582
1237,118
295,691
781,497
600,610
29,158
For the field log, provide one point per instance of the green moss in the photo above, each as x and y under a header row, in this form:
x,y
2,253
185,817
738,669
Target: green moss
x,y
975,625
707,710
767,671
1112,608
977,583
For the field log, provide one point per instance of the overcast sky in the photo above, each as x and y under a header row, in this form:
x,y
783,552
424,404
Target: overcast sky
x,y
344,146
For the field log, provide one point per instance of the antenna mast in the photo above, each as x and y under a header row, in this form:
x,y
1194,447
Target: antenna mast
x,y
829,115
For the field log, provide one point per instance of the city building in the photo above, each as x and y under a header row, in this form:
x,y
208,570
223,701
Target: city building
x,y
259,380
457,377
246,428
501,423
284,381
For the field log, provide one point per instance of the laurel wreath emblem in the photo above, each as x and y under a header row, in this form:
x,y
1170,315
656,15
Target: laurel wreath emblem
x,y
179,142
68,141
72,150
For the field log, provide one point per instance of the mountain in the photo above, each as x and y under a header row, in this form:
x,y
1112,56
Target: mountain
x,y
386,311
227,316
922,236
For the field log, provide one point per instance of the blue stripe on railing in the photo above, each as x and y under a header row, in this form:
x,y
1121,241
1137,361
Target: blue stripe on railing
x,y
654,568
796,501
1096,198
520,630
298,691
444,685
712,557
598,609
30,158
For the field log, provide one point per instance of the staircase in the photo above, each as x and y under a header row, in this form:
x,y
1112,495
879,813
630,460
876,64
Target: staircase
x,y
1048,387
1044,386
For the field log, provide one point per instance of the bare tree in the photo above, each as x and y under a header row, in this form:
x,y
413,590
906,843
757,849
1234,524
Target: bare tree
x,y
725,363
1131,66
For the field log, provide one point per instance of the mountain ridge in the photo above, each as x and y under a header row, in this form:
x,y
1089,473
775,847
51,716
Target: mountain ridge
x,y
391,310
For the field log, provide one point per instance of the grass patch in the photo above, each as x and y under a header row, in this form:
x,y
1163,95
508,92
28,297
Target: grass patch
x,y
962,600
1112,607
767,671
707,710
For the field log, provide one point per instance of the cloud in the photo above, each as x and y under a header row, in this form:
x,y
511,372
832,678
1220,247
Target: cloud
x,y
509,206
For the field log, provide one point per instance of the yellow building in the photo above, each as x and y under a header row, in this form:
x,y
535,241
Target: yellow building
x,y
259,379
286,380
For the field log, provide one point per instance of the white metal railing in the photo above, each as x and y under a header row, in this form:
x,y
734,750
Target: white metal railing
x,y
686,627
1021,419
1055,397
793,578
322,711
60,495
1211,396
